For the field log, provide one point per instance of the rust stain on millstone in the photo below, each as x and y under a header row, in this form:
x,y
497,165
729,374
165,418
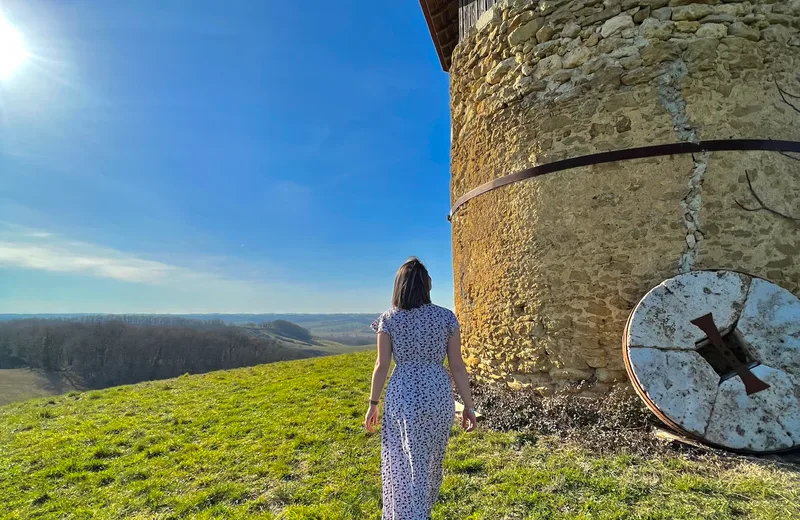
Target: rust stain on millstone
x,y
755,324
752,384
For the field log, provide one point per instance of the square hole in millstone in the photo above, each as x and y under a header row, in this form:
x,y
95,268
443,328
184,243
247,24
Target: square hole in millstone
x,y
733,341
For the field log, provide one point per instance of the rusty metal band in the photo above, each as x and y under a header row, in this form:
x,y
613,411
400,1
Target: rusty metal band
x,y
721,145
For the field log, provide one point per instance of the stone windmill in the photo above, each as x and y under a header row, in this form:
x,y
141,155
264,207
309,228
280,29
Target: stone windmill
x,y
600,147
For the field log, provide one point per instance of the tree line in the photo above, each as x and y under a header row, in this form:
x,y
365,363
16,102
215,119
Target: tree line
x,y
109,352
150,320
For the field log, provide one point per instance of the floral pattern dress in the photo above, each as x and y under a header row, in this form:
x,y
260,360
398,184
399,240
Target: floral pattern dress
x,y
418,411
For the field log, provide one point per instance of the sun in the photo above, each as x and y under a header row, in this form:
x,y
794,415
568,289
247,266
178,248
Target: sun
x,y
12,49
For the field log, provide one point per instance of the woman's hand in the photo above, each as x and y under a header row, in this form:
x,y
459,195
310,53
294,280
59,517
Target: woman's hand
x,y
371,419
468,420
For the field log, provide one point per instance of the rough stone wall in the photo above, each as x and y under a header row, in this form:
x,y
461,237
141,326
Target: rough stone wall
x,y
547,270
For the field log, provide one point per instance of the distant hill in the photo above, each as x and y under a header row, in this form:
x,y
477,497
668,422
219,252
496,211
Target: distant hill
x,y
287,329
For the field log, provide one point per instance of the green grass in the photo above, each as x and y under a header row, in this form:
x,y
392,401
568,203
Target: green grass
x,y
284,441
20,384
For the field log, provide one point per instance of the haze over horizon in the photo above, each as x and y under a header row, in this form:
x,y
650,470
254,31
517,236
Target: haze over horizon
x,y
156,159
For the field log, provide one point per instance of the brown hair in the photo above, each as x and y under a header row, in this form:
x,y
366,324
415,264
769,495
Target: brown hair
x,y
412,285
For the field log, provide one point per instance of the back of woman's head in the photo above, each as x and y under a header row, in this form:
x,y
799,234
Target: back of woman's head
x,y
412,285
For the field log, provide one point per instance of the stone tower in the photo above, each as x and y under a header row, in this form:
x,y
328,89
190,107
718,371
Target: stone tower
x,y
547,270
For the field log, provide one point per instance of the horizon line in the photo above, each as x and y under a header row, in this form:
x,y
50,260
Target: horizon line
x,y
174,313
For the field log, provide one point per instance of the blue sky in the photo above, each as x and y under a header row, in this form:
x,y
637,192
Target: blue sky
x,y
207,156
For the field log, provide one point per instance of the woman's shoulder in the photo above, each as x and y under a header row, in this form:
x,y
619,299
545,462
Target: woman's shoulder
x,y
390,312
442,311
381,323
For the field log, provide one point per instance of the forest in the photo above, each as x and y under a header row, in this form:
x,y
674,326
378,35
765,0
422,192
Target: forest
x,y
98,353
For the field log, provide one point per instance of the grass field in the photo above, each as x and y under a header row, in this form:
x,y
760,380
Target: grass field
x,y
20,384
284,441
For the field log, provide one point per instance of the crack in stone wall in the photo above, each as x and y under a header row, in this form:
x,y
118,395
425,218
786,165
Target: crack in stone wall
x,y
671,98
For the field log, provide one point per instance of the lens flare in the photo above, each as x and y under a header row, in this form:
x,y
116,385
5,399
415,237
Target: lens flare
x,y
12,49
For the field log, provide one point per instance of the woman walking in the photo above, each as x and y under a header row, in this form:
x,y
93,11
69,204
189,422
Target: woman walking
x,y
419,408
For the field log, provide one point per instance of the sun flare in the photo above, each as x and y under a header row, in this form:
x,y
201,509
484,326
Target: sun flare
x,y
12,49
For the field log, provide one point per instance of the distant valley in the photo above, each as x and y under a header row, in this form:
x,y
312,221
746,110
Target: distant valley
x,y
346,329
48,354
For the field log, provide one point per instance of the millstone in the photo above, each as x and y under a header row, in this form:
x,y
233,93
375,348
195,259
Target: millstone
x,y
716,355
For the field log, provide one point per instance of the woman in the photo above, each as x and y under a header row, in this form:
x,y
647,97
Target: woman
x,y
419,407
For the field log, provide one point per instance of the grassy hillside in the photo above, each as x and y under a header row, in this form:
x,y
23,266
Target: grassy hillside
x,y
284,441
20,384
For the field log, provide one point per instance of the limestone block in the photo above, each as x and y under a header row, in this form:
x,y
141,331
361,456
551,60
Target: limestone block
x,y
653,4
622,52
642,15
658,52
692,2
616,24
631,62
525,32
734,9
591,67
777,33
500,70
491,16
544,34
576,58
527,84
718,18
571,30
601,16
744,31
687,26
545,49
663,14
781,19
653,29
548,66
639,76
712,30
605,375
691,12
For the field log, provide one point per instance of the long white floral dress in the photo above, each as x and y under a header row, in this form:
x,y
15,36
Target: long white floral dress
x,y
418,411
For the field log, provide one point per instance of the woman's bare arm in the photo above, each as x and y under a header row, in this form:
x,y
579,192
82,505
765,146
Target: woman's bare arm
x,y
382,365
379,374
458,369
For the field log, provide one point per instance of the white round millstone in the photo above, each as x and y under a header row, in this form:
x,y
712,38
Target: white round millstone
x,y
661,354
